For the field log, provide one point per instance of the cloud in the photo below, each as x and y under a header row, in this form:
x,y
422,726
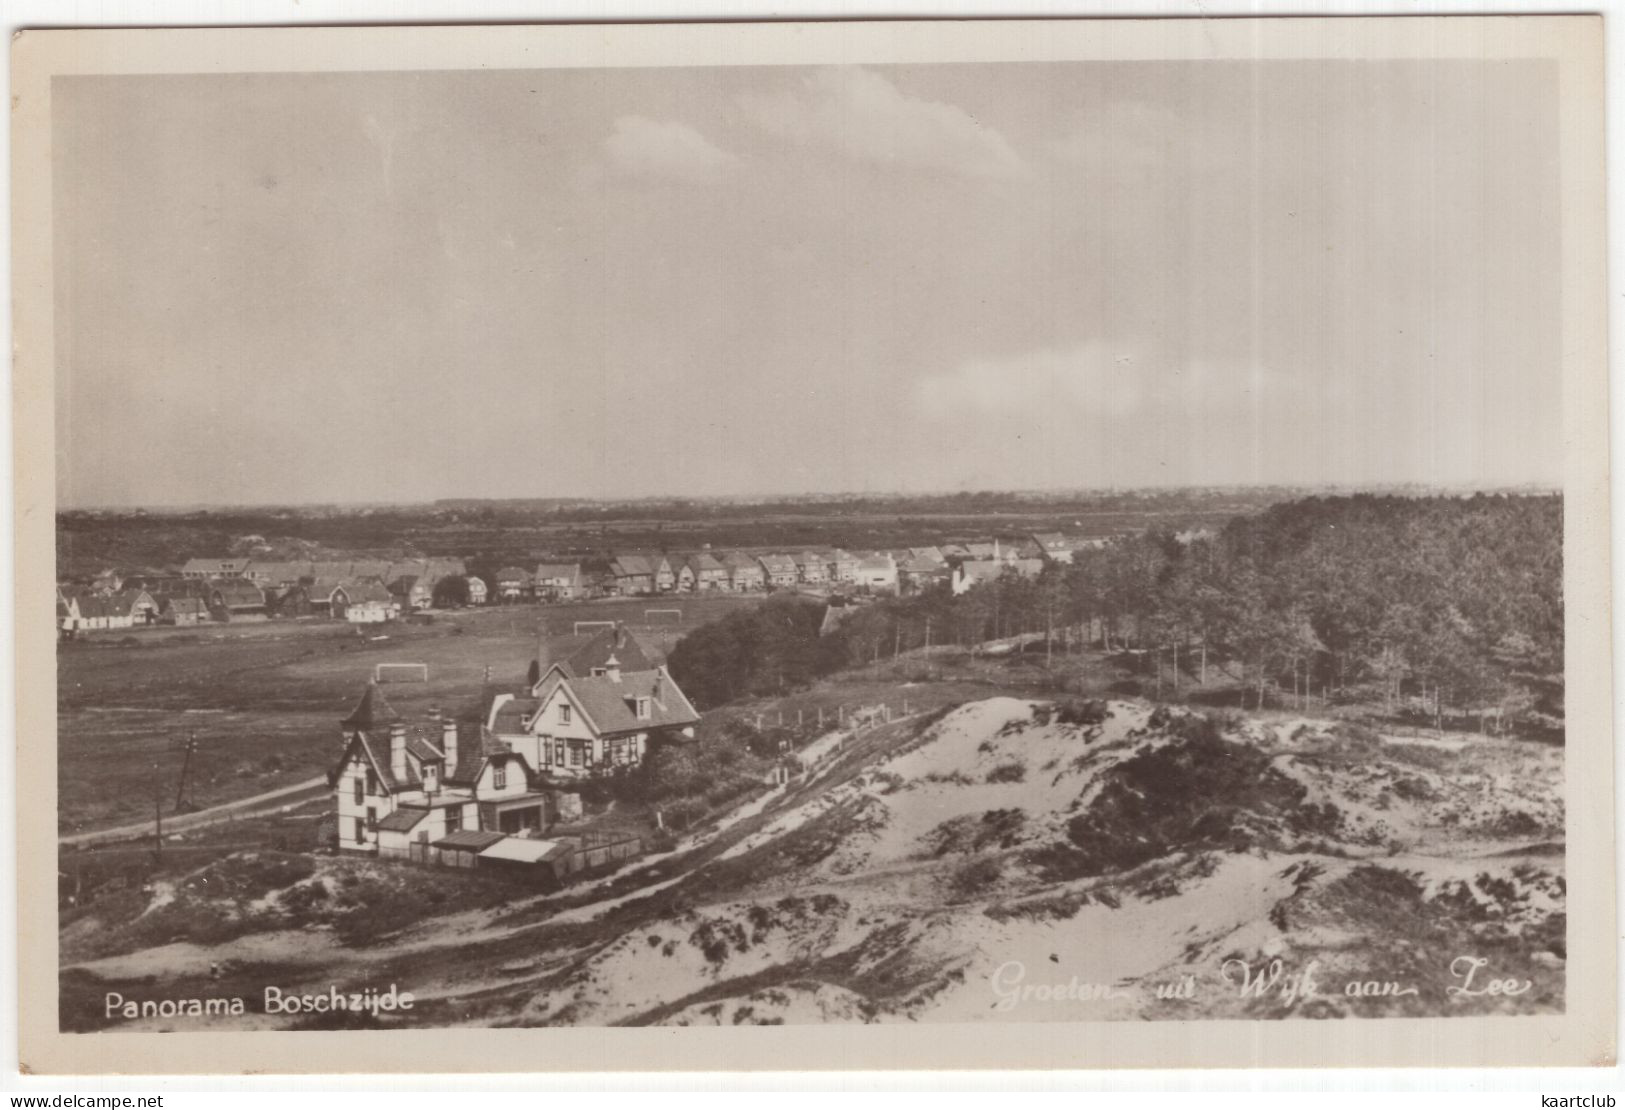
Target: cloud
x,y
642,147
1101,381
1087,379
867,118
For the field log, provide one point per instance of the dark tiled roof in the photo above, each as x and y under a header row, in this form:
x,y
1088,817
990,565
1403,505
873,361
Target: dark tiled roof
x,y
371,711
610,705
237,593
402,820
579,654
511,715
472,752
361,591
469,840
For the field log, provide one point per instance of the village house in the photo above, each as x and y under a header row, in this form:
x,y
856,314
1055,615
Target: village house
x,y
919,574
745,574
477,592
214,568
131,609
683,572
663,572
878,572
842,567
576,726
231,599
362,602
709,573
513,584
975,571
779,570
411,593
559,581
400,792
632,575
1054,546
184,611
811,568
68,616
928,554
277,575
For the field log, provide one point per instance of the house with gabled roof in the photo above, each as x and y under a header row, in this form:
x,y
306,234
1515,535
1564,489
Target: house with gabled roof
x,y
811,568
663,573
682,567
878,572
183,611
745,573
632,575
1054,546
362,601
400,790
974,571
780,570
709,573
222,567
559,581
842,567
68,616
235,599
513,584
577,726
920,573
589,653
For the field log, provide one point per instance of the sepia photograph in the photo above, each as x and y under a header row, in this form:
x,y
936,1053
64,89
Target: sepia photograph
x,y
885,527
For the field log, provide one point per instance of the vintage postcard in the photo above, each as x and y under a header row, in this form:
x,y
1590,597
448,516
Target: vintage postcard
x,y
759,546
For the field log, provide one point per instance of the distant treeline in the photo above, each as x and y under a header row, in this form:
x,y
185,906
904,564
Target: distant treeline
x,y
504,533
1457,602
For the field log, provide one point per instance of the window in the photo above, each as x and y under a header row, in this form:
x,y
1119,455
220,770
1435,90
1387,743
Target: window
x,y
643,709
372,784
564,713
372,818
431,776
499,776
599,672
575,754
454,820
358,790
360,836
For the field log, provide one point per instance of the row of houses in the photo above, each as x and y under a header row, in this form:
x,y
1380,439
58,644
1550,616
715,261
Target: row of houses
x,y
493,793
367,591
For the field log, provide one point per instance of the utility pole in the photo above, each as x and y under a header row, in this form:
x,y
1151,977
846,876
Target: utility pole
x,y
186,764
158,813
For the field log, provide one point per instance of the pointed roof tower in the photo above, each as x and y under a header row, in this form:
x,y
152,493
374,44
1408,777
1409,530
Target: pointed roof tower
x,y
371,711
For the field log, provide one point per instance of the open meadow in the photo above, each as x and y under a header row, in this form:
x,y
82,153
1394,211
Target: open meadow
x,y
263,700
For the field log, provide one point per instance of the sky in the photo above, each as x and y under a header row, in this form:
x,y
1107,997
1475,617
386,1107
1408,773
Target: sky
x,y
762,280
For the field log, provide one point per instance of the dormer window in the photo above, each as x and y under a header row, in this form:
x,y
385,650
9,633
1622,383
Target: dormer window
x,y
644,709
499,777
598,672
431,776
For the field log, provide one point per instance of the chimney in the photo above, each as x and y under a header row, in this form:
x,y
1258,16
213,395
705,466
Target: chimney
x,y
448,744
612,668
397,751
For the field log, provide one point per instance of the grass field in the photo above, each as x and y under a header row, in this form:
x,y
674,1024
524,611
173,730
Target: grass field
x,y
264,700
